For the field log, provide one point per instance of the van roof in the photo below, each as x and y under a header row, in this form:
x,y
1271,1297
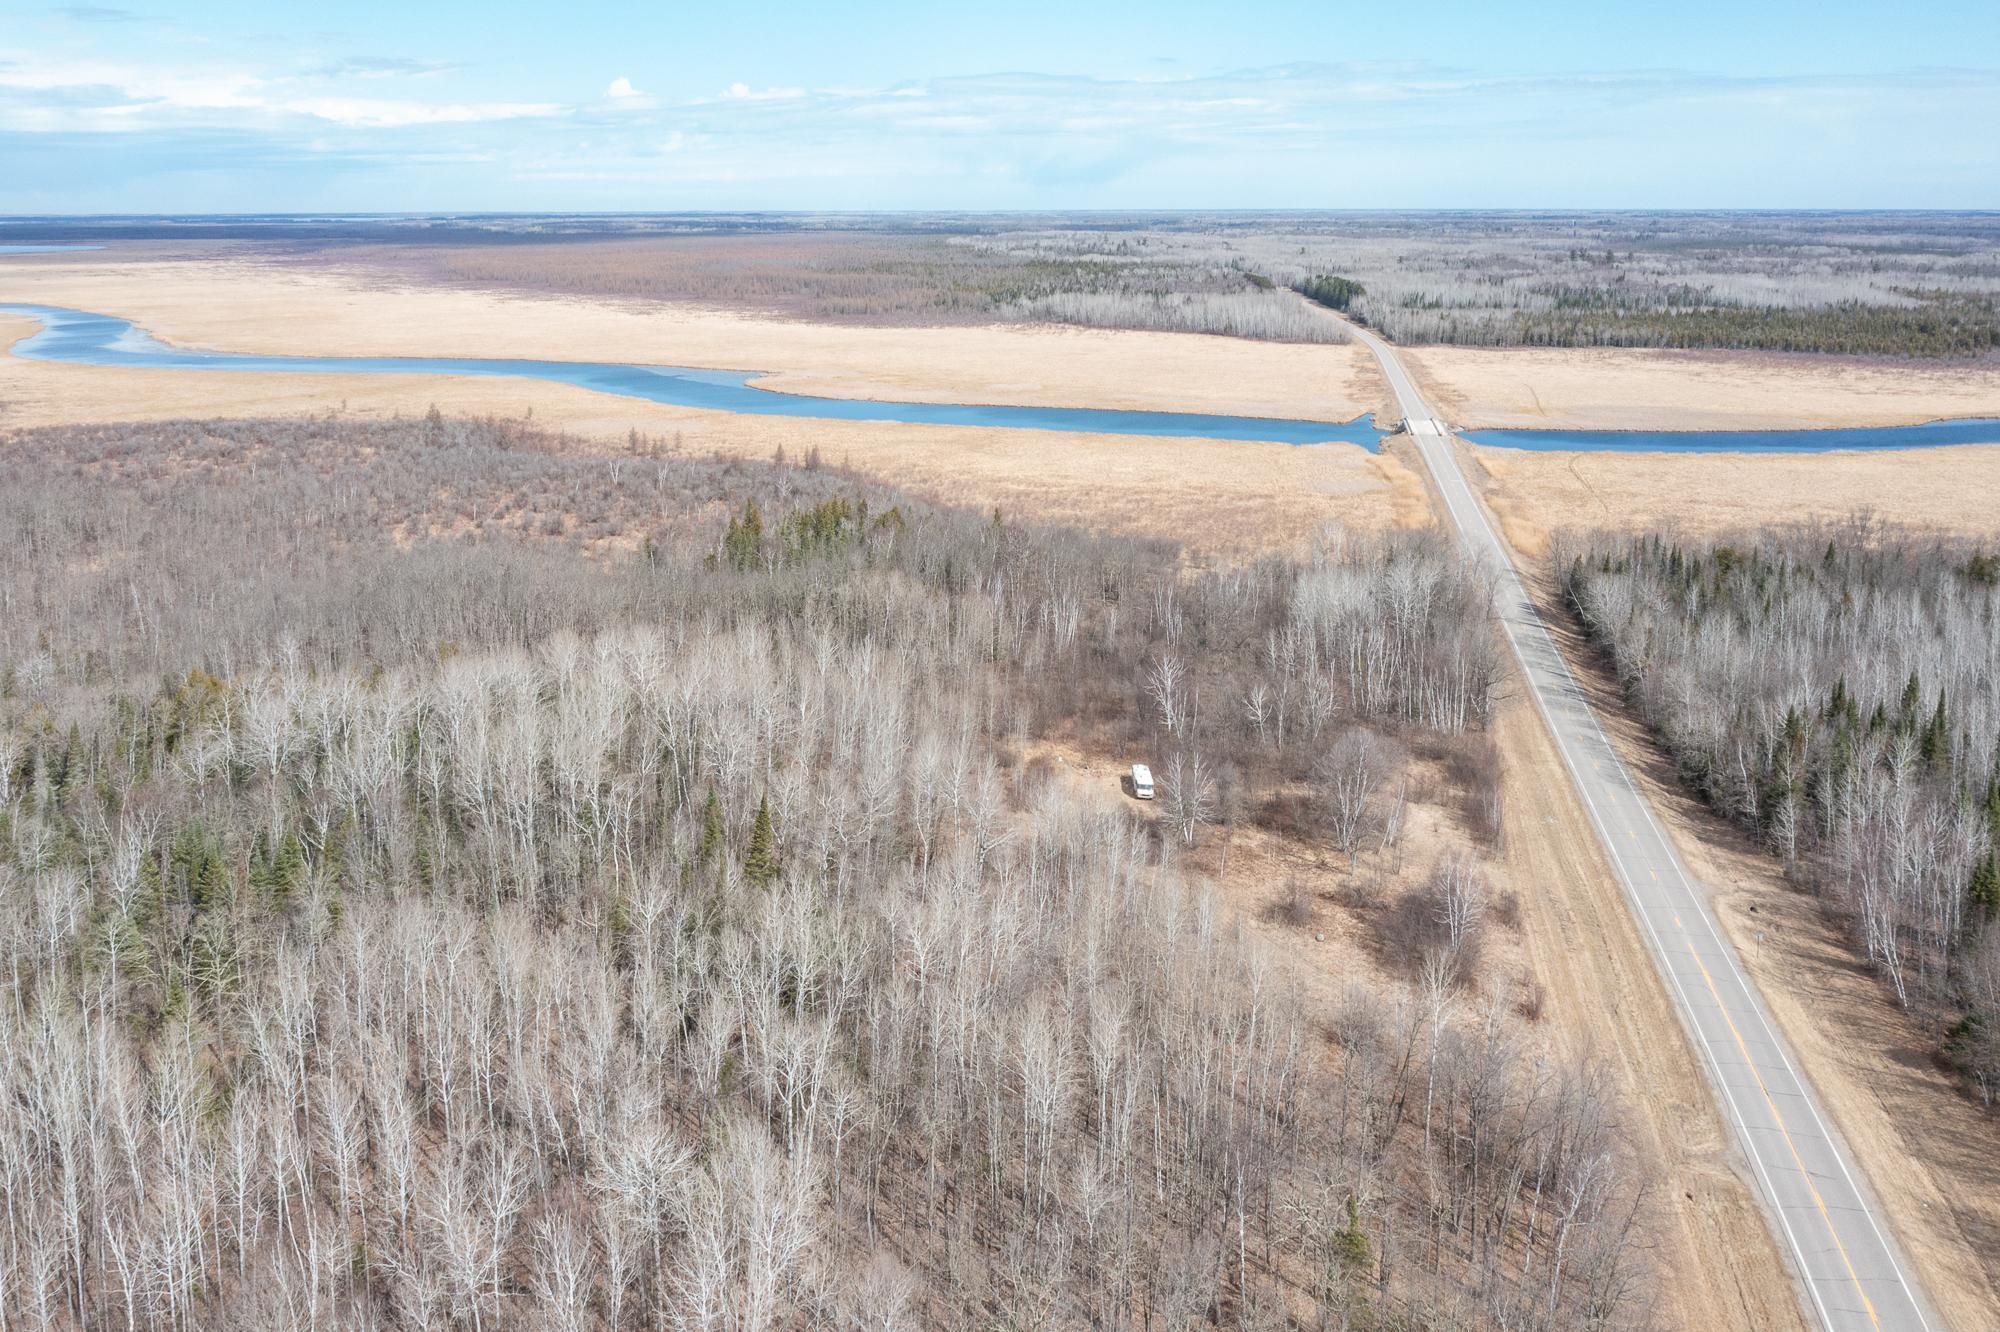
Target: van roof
x,y
1141,773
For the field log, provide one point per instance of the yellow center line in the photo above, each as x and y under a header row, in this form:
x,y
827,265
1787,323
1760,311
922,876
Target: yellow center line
x,y
1804,1174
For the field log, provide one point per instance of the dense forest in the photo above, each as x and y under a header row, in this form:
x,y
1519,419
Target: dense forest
x,y
449,880
1922,285
1837,689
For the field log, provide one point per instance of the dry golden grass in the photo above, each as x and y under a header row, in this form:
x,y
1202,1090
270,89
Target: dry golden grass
x,y
251,306
1268,496
1536,494
1495,388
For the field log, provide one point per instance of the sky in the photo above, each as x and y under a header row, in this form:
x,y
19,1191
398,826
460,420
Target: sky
x,y
229,106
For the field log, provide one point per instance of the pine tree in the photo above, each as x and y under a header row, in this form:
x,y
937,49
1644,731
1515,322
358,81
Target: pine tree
x,y
1993,807
152,885
70,770
1937,737
1984,890
260,866
197,868
1351,1243
287,869
1913,698
760,858
743,547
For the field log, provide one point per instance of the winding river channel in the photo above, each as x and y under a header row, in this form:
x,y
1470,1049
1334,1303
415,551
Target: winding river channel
x,y
92,339
81,338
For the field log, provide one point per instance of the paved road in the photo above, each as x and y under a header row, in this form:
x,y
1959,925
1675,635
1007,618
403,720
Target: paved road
x,y
1824,1217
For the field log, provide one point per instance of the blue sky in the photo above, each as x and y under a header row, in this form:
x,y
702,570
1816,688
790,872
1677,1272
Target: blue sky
x,y
224,106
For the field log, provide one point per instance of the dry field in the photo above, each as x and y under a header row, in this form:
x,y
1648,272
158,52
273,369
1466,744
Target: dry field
x,y
1272,496
252,306
1536,494
1480,388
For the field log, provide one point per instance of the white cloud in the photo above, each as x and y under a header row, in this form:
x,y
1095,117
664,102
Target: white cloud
x,y
1262,136
743,92
98,83
54,95
378,113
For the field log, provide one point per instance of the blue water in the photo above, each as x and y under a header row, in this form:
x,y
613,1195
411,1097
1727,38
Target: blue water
x,y
93,339
1929,436
44,249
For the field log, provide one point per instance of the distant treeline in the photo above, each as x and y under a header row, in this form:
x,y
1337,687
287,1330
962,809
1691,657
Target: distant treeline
x,y
1941,327
1907,285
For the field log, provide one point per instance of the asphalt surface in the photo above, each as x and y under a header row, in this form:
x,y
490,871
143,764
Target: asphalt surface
x,y
1825,1219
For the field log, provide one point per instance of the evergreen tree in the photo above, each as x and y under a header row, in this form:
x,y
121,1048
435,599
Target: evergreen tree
x,y
743,546
288,869
1984,890
711,828
70,769
152,885
760,858
1351,1243
260,866
1936,744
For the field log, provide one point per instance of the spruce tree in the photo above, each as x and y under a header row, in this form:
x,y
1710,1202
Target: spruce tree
x,y
1984,890
743,547
1937,737
208,885
760,858
260,866
288,869
1351,1243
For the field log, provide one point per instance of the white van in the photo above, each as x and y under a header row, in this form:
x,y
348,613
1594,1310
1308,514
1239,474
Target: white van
x,y
1142,781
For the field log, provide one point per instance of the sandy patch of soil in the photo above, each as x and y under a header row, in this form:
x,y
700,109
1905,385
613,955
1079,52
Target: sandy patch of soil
x,y
1719,1264
1575,949
1617,389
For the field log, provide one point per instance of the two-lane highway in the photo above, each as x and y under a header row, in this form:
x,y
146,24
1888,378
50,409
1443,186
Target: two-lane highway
x,y
1824,1216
